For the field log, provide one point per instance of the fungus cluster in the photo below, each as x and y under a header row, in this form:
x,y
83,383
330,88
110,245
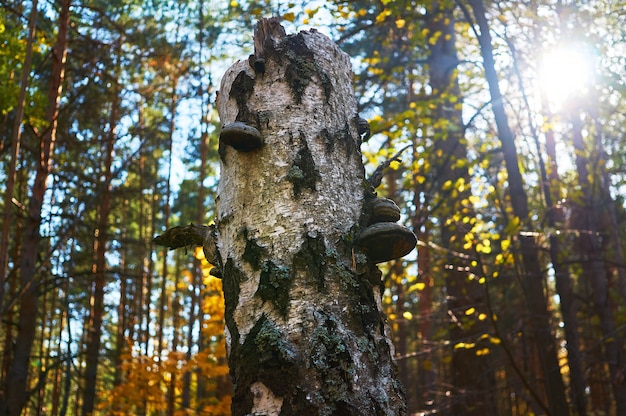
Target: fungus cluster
x,y
383,240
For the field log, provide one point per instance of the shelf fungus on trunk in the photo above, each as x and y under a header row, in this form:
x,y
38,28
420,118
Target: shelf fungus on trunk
x,y
384,210
384,241
241,136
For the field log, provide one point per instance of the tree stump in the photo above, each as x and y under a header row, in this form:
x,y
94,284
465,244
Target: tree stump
x,y
298,235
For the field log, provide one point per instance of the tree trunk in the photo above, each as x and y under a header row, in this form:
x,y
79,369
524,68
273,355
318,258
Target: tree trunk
x,y
472,375
96,313
563,281
17,380
305,327
15,151
539,316
585,218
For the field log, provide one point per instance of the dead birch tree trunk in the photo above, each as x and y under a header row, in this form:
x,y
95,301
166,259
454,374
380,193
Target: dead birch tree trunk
x,y
299,232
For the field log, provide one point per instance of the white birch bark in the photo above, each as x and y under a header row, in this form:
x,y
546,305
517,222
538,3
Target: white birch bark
x,y
305,329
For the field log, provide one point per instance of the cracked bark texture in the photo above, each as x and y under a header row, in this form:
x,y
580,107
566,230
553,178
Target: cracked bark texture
x,y
305,329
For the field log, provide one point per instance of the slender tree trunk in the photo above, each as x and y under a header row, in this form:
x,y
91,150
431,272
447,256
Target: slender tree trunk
x,y
164,297
426,373
555,219
563,282
15,151
96,313
586,217
122,321
400,334
472,375
533,279
305,328
17,380
56,386
195,303
171,389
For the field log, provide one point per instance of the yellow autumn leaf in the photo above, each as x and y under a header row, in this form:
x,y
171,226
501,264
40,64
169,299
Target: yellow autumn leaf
x,y
383,15
483,351
400,23
407,315
419,286
290,17
470,311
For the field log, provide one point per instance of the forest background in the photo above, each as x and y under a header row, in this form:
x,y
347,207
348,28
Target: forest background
x,y
513,180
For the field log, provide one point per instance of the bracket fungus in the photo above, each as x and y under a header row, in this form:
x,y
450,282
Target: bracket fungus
x,y
384,210
241,136
383,240
386,241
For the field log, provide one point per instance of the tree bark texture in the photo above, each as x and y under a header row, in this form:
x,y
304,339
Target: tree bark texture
x,y
304,324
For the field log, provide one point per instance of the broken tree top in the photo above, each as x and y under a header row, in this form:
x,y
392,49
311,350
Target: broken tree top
x,y
290,143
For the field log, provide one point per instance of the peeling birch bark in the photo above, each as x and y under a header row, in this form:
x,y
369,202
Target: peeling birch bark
x,y
305,328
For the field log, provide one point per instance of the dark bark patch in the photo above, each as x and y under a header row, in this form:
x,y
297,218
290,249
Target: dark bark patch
x,y
267,357
341,136
253,252
329,140
311,259
303,173
274,285
241,91
301,67
351,144
230,283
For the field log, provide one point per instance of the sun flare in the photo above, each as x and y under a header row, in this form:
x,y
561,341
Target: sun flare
x,y
565,74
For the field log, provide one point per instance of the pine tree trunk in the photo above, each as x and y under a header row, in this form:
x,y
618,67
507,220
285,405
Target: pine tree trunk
x,y
305,329
15,151
96,313
539,316
472,375
17,380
